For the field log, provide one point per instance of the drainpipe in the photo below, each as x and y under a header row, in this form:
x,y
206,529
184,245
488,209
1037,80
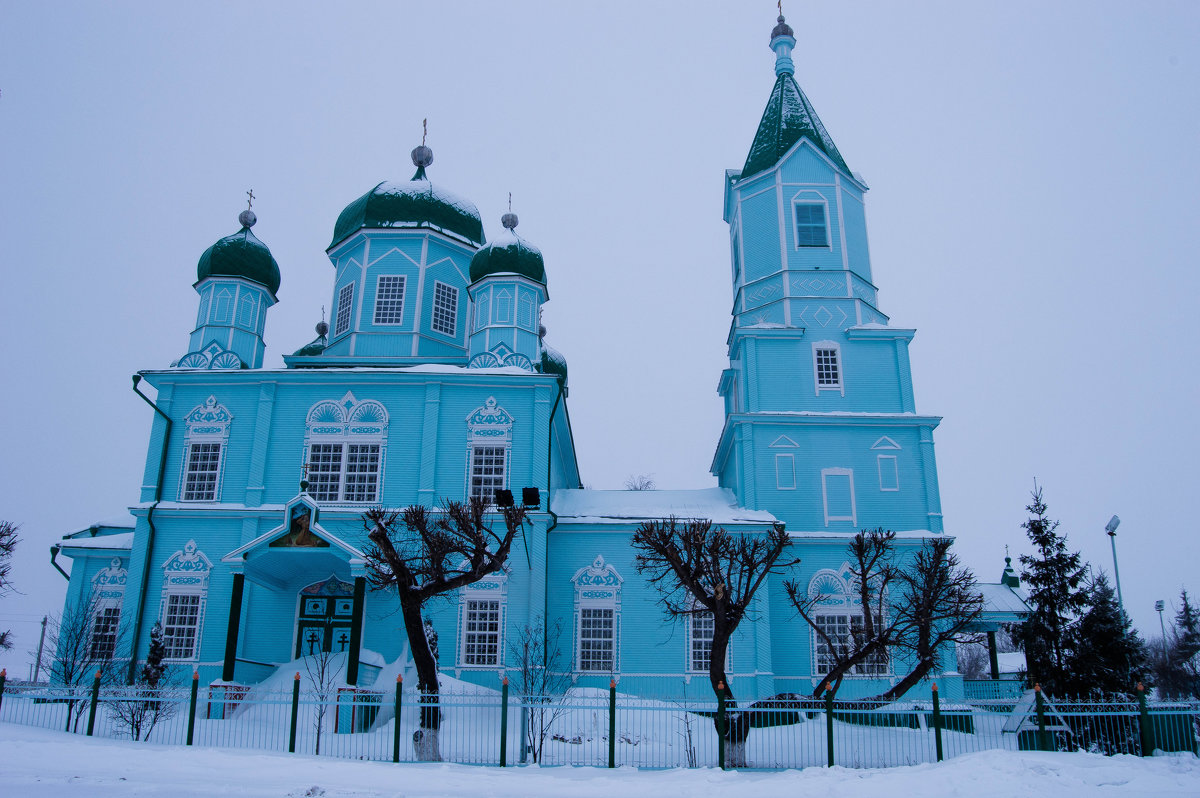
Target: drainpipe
x,y
553,517
54,556
158,488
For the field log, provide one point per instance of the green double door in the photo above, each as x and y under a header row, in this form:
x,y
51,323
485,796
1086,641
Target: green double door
x,y
325,619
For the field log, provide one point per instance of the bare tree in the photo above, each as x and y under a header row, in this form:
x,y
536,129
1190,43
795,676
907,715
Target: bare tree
x,y
640,482
540,679
937,602
866,641
701,569
79,653
423,554
324,670
8,544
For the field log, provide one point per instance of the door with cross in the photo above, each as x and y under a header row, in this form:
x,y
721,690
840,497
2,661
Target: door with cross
x,y
325,616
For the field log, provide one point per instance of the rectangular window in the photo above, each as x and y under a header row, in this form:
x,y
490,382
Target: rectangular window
x,y
445,308
203,468
487,471
837,491
889,473
346,472
345,304
481,633
181,625
810,225
597,638
828,373
842,631
700,642
785,472
104,633
389,299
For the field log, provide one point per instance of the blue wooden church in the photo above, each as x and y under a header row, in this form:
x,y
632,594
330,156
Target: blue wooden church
x,y
434,380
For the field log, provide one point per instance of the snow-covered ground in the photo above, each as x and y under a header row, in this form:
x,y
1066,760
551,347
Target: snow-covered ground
x,y
37,763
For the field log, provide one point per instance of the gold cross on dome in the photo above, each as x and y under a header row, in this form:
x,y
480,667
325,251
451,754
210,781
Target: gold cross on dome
x,y
250,201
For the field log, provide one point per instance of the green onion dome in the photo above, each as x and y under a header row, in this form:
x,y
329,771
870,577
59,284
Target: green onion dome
x,y
509,254
554,363
417,203
241,255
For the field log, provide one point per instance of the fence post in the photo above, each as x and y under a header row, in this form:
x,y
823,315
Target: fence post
x,y
3,679
192,706
829,723
612,723
396,720
295,713
1144,722
937,722
95,700
721,719
504,722
1041,718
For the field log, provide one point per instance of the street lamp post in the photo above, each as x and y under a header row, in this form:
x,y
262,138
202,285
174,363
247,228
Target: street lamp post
x,y
1111,528
1158,606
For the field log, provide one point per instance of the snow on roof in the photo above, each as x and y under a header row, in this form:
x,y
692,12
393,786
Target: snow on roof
x,y
121,540
625,506
1002,598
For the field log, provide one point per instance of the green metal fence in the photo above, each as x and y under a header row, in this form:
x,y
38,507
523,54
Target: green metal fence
x,y
600,728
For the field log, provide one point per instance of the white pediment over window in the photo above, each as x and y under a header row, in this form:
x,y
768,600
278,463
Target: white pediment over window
x,y
885,443
784,442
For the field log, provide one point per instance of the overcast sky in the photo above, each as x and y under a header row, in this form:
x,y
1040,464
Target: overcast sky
x,y
1033,214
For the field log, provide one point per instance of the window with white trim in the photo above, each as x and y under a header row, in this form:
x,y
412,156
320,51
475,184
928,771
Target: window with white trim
x,y
185,593
889,472
597,618
104,633
345,450
811,230
489,441
445,308
345,304
205,437
700,639
481,632
838,622
181,626
389,299
785,472
837,495
827,366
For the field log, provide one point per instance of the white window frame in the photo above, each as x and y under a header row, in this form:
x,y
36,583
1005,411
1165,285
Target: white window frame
x,y
444,318
206,425
597,589
888,464
344,313
785,471
348,428
493,589
185,581
840,385
839,600
485,460
838,472
690,666
108,596
489,428
389,300
810,201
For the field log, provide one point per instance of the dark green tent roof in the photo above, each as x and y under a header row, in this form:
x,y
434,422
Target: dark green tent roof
x,y
788,118
509,254
417,203
554,363
240,255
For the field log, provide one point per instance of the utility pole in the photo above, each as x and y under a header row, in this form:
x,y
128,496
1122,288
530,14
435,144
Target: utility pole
x,y
37,668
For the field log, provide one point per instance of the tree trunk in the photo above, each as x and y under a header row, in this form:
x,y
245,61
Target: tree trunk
x,y
425,739
737,724
908,682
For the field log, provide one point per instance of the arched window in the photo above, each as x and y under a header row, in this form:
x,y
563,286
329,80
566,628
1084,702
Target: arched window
x,y
344,444
489,442
597,618
108,592
204,444
184,594
838,616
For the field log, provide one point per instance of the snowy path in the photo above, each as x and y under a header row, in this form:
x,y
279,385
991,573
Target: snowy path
x,y
39,763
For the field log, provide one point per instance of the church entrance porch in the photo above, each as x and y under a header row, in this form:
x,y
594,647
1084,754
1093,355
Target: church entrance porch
x,y
325,618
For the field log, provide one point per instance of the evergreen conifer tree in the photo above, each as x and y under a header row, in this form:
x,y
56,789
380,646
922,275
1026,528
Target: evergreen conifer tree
x,y
1055,578
1107,656
154,668
1185,649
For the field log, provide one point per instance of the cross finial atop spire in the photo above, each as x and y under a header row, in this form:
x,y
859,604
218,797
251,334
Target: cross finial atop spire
x,y
425,128
782,43
250,200
422,156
